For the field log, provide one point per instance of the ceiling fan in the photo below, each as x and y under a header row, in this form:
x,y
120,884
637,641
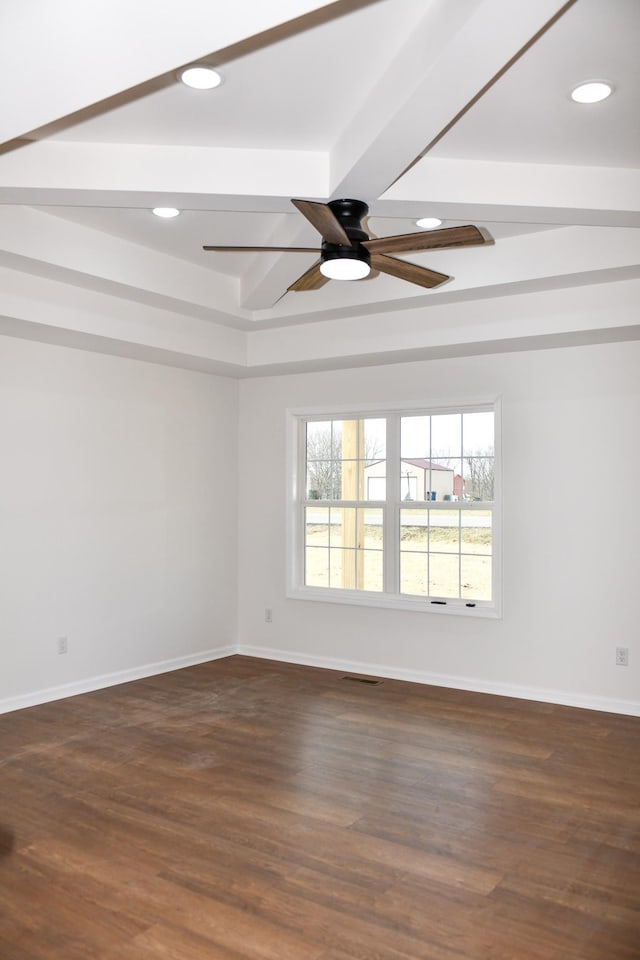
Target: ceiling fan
x,y
347,252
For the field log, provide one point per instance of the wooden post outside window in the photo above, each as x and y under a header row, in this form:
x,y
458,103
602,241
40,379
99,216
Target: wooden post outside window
x,y
353,489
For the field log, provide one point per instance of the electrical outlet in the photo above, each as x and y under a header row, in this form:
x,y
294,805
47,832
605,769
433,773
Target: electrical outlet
x,y
63,644
622,656
268,615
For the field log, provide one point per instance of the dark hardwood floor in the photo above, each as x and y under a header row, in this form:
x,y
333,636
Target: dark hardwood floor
x,y
247,809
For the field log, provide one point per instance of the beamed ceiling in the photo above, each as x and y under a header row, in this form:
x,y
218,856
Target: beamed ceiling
x,y
418,107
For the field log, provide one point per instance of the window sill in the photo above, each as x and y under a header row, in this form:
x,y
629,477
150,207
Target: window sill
x,y
460,608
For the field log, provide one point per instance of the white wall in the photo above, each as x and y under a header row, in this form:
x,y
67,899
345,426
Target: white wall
x,y
117,518
571,551
118,525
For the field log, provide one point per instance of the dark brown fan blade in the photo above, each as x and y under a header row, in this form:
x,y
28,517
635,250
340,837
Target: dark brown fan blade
x,y
311,280
263,249
407,271
324,220
445,239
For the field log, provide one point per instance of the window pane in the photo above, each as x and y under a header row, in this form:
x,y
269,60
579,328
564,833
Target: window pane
x,y
323,460
476,577
337,571
353,460
316,567
446,435
414,574
355,569
411,478
323,480
319,445
414,533
348,438
444,575
414,437
478,433
375,439
376,481
353,480
476,531
478,455
370,570
372,529
444,531
335,527
317,527
445,479
352,528
414,546
415,480
345,459
374,466
478,481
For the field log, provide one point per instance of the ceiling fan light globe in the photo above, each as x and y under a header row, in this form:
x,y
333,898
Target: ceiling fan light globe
x,y
345,269
345,263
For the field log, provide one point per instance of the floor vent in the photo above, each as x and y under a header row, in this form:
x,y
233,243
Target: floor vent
x,y
362,680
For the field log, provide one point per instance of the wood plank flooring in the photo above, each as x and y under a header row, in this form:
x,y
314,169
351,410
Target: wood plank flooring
x,y
250,810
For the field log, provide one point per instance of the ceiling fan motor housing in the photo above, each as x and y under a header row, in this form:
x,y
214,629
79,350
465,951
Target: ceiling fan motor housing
x,y
349,214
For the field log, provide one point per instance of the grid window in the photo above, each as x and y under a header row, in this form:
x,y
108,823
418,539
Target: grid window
x,y
398,508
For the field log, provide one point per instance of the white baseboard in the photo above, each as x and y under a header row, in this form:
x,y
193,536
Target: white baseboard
x,y
564,697
111,679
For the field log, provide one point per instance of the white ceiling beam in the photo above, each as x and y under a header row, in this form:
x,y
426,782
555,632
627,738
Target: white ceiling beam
x,y
111,175
516,192
80,171
448,59
59,57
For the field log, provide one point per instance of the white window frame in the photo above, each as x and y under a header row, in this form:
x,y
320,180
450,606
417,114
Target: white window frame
x,y
296,502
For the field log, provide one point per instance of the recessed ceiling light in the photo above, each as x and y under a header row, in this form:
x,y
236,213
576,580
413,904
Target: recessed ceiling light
x,y
592,92
428,223
166,212
200,77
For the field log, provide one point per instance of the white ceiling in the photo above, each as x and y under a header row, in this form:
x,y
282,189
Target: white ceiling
x,y
418,107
